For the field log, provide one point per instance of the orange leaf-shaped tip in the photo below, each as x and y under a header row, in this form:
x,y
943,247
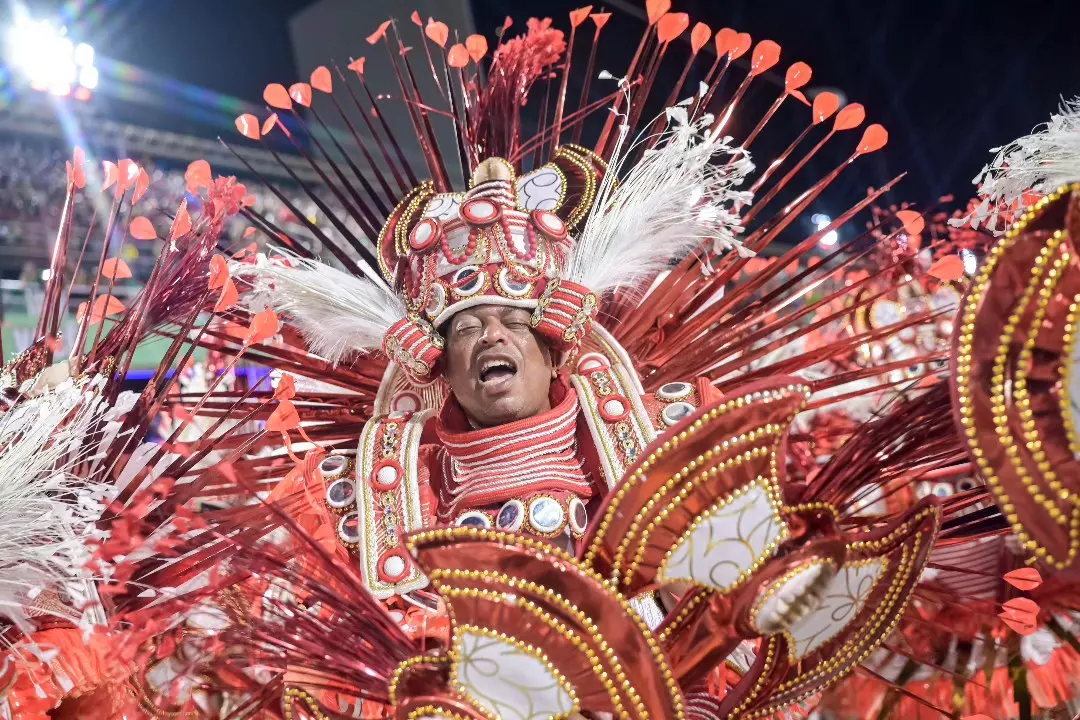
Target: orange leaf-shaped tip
x,y
142,184
229,296
283,418
321,79
107,306
798,95
301,93
181,224
248,125
874,138
415,17
357,66
286,388
766,55
724,40
219,272
477,45
269,123
437,32
1022,615
111,173
914,223
379,33
128,172
852,116
458,57
699,36
657,9
740,45
197,175
276,96
797,76
116,269
264,325
245,251
142,229
1025,579
949,268
507,22
249,201
600,19
76,175
248,233
825,104
672,26
578,16
78,155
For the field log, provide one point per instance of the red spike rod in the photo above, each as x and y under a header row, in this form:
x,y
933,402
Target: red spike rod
x,y
49,320
330,245
395,168
602,144
421,122
371,165
574,119
542,128
109,292
381,203
759,205
275,234
641,96
590,68
728,302
405,165
560,101
362,213
431,62
736,330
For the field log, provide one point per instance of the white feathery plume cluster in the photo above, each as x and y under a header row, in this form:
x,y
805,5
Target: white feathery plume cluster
x,y
682,194
47,513
336,312
1039,162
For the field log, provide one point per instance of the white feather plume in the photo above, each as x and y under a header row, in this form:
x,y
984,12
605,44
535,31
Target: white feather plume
x,y
47,513
1039,162
337,312
682,194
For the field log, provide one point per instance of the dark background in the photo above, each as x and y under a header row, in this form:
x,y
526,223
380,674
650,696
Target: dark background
x,y
948,78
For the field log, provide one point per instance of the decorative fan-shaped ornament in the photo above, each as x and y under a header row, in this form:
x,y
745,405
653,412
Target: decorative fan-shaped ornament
x,y
1016,382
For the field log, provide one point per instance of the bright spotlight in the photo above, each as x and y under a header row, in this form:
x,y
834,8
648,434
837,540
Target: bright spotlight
x,y
84,55
88,77
48,59
821,221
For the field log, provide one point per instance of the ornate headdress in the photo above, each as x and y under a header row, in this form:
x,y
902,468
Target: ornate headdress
x,y
552,240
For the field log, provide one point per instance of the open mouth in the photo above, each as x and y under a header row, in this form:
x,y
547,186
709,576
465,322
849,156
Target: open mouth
x,y
497,370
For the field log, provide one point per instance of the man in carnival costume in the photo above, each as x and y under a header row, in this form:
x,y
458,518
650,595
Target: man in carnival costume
x,y
554,477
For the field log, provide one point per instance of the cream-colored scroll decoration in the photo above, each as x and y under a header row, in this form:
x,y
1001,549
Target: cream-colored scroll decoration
x,y
844,598
728,542
510,680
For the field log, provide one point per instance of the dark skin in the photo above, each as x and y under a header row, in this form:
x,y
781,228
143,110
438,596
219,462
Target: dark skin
x,y
497,367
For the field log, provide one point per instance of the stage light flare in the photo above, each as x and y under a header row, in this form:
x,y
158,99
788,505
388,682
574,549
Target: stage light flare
x,y
48,58
821,221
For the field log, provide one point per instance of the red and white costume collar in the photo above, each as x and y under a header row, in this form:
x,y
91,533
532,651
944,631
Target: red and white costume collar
x,y
489,466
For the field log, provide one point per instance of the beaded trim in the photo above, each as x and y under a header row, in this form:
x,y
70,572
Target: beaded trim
x,y
385,516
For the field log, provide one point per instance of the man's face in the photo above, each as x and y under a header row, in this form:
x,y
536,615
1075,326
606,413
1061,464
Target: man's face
x,y
497,368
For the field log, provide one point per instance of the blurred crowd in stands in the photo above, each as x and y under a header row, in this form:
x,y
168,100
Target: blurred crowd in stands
x,y
32,188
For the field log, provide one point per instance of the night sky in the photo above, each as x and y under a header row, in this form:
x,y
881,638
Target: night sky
x,y
948,78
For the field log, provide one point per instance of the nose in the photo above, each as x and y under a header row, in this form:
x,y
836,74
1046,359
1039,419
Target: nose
x,y
494,333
